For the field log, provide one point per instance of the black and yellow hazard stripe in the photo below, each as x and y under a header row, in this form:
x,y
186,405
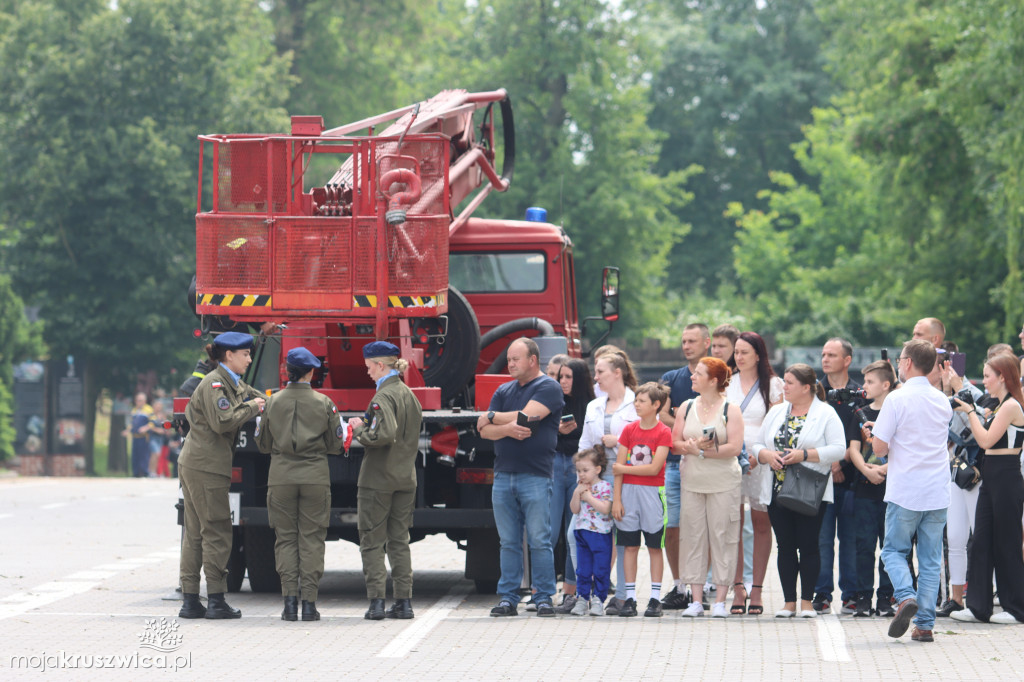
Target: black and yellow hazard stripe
x,y
397,301
235,300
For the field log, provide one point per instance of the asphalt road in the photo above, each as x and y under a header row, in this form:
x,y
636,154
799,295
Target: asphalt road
x,y
89,567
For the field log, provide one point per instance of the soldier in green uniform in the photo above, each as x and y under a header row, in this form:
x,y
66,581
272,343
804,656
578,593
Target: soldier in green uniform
x,y
219,406
389,432
299,428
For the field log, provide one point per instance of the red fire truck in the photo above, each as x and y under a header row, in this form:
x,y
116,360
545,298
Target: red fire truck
x,y
379,252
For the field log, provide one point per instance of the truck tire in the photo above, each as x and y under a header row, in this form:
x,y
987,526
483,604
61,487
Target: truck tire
x,y
450,364
236,562
259,559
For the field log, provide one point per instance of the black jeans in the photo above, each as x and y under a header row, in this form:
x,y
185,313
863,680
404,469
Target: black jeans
x,y
795,533
869,517
997,539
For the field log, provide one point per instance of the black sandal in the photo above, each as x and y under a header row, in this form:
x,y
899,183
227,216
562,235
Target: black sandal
x,y
759,607
739,609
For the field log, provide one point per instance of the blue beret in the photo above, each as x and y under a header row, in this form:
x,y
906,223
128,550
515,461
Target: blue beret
x,y
302,359
380,349
233,340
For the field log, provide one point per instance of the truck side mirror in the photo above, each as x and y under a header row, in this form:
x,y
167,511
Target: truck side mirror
x,y
610,294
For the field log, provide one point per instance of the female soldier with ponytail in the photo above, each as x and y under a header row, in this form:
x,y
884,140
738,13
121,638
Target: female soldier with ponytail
x,y
300,428
219,406
389,432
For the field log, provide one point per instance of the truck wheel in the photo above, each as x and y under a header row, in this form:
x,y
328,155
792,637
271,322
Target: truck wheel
x,y
486,586
451,364
236,562
259,559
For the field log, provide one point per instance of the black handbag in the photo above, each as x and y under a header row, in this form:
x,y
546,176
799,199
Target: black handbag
x,y
802,490
965,474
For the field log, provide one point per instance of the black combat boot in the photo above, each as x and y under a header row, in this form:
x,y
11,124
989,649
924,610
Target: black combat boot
x,y
191,607
309,611
402,608
376,610
217,608
291,609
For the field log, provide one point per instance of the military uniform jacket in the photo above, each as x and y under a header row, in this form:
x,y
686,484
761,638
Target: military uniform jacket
x,y
299,428
216,411
390,435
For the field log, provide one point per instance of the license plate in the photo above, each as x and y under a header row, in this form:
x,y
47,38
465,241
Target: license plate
x,y
235,502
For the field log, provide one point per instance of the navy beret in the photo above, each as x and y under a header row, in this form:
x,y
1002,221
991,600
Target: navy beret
x,y
380,349
302,359
233,340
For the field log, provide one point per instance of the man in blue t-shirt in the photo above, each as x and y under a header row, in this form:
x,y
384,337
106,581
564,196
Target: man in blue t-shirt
x,y
696,342
524,457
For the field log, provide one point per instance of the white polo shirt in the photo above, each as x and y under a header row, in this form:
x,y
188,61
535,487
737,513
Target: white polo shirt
x,y
914,421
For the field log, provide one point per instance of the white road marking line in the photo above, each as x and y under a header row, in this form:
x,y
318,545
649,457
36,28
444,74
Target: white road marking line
x,y
91,575
34,601
6,516
110,567
832,639
148,560
54,505
408,638
60,586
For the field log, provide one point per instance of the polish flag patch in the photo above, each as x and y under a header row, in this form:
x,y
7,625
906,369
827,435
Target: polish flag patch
x,y
217,384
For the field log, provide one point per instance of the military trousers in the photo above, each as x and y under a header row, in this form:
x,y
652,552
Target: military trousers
x,y
384,520
299,514
208,536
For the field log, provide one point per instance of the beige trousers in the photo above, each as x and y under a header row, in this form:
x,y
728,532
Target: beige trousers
x,y
709,519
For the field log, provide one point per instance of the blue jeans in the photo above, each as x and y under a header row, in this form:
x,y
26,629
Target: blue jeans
x,y
838,522
524,500
672,493
900,526
562,487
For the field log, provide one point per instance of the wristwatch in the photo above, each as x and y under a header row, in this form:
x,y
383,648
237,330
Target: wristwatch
x,y
490,416
805,454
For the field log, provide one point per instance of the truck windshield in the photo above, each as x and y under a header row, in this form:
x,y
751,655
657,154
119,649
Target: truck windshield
x,y
478,273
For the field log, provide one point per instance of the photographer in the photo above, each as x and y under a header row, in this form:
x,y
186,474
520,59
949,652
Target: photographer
x,y
997,530
843,395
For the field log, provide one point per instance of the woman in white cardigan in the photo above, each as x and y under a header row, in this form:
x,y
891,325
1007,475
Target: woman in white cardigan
x,y
801,431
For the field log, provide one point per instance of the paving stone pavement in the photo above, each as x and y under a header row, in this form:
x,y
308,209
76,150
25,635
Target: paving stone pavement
x,y
109,582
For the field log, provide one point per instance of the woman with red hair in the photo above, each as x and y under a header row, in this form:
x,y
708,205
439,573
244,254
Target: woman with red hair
x,y
710,436
997,522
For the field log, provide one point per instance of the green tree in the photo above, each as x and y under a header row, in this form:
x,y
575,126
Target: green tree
x,y
937,221
19,340
736,82
101,110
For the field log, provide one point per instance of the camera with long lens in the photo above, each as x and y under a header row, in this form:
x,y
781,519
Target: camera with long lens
x,y
845,395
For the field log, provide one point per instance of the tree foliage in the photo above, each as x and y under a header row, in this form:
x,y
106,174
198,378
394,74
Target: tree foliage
x,y
98,125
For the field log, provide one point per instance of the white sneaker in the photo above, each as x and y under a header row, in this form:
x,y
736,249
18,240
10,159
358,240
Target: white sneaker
x,y
1003,618
964,616
784,613
718,610
596,607
694,610
580,608
809,613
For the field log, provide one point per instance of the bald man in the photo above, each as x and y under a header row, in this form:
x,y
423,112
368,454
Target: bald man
x,y
930,329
